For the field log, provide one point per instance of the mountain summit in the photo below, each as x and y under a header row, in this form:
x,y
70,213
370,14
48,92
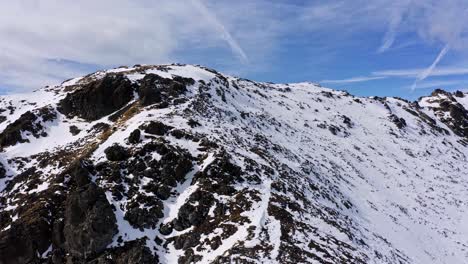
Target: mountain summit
x,y
182,164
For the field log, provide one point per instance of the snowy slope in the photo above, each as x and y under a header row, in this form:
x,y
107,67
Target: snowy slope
x,y
194,166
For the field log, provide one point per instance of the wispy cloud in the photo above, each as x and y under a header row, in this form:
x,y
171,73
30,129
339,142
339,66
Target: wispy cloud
x,y
354,80
396,17
414,73
269,35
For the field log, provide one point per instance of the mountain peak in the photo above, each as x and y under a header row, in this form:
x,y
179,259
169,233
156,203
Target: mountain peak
x,y
180,163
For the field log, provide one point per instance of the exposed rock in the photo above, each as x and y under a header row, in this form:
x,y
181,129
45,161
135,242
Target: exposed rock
x,y
156,128
79,173
74,130
11,135
398,121
135,137
116,153
440,91
156,89
193,123
99,127
459,94
134,252
165,229
90,223
2,171
28,122
98,98
146,217
269,172
26,237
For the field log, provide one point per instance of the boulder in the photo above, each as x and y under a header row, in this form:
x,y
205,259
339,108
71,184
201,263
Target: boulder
x,y
135,137
156,128
116,153
74,130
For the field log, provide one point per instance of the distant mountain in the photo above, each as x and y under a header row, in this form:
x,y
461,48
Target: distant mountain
x,y
182,164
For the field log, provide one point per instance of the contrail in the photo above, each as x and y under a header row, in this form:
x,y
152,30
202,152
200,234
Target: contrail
x,y
396,17
389,37
236,48
427,72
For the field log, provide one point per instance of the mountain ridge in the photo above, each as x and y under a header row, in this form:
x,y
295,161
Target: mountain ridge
x,y
180,163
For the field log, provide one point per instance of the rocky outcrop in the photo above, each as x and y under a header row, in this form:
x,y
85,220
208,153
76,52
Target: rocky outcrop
x,y
27,238
98,98
398,121
90,223
31,122
450,111
156,128
134,252
155,89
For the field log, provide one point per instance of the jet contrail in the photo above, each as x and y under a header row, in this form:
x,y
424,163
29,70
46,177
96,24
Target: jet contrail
x,y
427,72
389,37
236,48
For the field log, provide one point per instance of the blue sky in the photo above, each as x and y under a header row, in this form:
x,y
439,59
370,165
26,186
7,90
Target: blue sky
x,y
402,48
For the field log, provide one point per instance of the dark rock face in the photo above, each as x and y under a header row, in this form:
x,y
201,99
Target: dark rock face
x,y
459,94
155,89
439,91
116,153
156,128
27,122
25,238
398,121
74,130
2,171
12,133
135,137
457,118
79,173
90,223
144,217
134,252
194,215
98,98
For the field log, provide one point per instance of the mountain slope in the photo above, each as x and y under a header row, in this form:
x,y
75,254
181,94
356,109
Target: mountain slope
x,y
179,163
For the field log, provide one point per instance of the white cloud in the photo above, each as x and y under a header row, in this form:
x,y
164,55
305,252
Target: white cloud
x,y
123,32
108,33
414,73
354,79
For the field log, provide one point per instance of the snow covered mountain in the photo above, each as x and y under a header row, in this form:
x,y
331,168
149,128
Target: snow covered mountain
x,y
182,164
